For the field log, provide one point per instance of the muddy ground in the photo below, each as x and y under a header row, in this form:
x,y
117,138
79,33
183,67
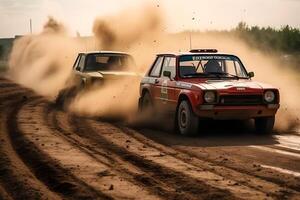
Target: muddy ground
x,y
46,153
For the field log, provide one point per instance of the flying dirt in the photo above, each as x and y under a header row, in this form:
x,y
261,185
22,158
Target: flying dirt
x,y
142,34
50,153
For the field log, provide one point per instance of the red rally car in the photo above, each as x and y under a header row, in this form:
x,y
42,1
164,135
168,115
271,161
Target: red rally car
x,y
206,84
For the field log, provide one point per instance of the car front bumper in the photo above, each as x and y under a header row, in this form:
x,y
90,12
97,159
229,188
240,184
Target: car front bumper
x,y
236,112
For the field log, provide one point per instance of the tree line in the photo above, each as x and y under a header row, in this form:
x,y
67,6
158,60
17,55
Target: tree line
x,y
284,40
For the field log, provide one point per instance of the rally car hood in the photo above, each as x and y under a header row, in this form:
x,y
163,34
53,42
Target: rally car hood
x,y
226,84
104,74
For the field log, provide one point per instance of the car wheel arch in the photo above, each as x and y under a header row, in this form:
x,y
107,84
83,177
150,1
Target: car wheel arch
x,y
184,96
144,91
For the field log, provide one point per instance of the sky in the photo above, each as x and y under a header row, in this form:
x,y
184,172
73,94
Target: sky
x,y
180,15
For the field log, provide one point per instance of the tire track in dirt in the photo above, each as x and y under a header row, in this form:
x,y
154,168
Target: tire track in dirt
x,y
252,181
19,188
177,180
99,140
113,163
8,91
241,165
130,183
16,179
237,161
46,169
15,112
8,84
3,194
285,148
149,183
213,173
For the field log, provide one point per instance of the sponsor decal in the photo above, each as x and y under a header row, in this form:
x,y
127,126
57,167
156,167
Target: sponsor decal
x,y
148,80
164,90
183,85
211,57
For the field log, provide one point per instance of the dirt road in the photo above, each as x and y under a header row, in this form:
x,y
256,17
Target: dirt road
x,y
46,153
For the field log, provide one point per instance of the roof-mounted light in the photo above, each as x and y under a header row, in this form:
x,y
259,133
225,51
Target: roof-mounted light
x,y
203,51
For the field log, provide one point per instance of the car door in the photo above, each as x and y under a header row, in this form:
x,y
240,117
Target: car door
x,y
167,89
155,81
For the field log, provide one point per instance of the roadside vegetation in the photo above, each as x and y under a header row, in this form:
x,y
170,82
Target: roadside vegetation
x,y
284,41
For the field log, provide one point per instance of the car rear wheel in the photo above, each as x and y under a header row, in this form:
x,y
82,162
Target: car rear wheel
x,y
264,125
146,105
187,121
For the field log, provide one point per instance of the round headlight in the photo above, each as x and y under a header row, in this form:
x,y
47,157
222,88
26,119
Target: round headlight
x,y
269,96
209,97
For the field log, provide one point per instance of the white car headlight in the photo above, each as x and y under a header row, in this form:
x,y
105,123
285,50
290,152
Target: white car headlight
x,y
210,97
269,96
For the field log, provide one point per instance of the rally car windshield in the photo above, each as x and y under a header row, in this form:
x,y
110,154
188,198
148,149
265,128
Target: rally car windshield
x,y
109,62
220,66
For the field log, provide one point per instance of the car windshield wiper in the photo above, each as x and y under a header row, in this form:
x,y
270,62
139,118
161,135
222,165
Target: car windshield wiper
x,y
196,75
224,73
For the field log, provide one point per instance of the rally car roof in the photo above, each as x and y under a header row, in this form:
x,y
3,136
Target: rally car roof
x,y
188,53
112,52
195,51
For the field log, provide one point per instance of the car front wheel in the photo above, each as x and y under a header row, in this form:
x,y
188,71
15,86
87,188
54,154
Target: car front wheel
x,y
187,121
65,96
264,125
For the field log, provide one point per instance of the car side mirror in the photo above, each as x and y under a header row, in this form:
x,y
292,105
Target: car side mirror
x,y
167,74
251,74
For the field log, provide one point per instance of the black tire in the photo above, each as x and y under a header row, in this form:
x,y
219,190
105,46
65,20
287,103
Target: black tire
x,y
186,120
146,104
65,96
264,125
60,99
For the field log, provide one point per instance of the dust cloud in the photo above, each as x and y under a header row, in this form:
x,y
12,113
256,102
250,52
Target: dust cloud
x,y
44,61
129,27
123,32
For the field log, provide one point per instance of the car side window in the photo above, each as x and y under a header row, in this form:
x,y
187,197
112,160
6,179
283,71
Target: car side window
x,y
170,65
155,71
81,63
76,62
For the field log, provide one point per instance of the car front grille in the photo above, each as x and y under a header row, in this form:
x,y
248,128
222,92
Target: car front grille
x,y
236,100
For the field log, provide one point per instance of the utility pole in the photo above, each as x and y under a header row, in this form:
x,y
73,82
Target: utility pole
x,y
190,40
30,24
